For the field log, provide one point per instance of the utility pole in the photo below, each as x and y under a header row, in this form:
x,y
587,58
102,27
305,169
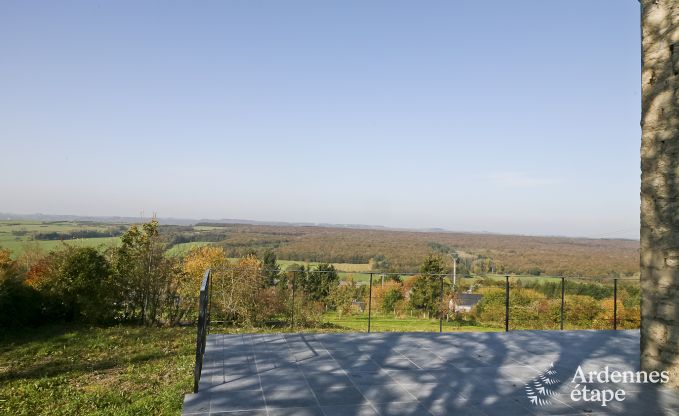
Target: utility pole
x,y
454,271
452,256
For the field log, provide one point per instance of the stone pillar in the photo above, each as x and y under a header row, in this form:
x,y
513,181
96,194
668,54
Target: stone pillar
x,y
660,187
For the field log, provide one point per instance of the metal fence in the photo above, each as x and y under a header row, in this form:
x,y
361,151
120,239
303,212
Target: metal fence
x,y
203,327
290,302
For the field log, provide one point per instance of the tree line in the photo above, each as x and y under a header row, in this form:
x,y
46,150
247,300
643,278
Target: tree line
x,y
404,250
136,281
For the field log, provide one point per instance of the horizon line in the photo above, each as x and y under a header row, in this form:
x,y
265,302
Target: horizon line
x,y
194,221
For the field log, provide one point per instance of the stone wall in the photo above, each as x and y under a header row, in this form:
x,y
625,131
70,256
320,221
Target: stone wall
x,y
660,187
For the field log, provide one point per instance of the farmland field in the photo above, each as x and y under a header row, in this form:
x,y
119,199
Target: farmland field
x,y
16,236
358,250
183,249
18,246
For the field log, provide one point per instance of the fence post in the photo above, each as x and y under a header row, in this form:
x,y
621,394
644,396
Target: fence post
x,y
294,279
202,327
615,304
209,302
441,309
370,301
563,297
507,303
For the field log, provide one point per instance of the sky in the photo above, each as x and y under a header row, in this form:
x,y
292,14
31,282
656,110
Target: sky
x,y
516,117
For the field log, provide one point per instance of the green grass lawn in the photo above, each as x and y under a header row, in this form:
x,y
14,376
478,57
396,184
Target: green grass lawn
x,y
387,323
524,278
61,370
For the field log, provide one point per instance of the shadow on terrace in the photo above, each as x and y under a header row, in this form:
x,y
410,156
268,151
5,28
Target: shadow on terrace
x,y
515,373
471,373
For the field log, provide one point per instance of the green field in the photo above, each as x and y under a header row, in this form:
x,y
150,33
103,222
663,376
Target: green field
x,y
183,249
17,235
524,278
17,246
387,323
345,269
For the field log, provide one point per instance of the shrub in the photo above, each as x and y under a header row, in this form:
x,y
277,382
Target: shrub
x,y
342,297
390,299
582,311
20,304
240,296
76,284
384,297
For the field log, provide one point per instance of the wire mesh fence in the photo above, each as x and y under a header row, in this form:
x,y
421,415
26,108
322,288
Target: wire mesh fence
x,y
324,299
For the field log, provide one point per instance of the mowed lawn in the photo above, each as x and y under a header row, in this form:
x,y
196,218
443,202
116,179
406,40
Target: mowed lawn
x,y
388,323
122,370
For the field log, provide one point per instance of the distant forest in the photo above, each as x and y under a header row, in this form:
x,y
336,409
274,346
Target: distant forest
x,y
404,250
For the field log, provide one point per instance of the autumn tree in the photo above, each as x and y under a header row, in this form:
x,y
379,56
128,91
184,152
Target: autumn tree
x,y
5,259
194,265
342,297
20,304
236,289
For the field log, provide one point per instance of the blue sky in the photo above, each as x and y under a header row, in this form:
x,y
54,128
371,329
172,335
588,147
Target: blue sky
x,y
513,117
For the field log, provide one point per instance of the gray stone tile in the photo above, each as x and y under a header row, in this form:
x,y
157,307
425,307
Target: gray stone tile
x,y
327,364
415,376
328,379
228,401
448,407
196,403
236,382
401,408
296,411
359,410
453,373
397,363
362,365
431,392
503,408
270,378
385,393
295,384
339,396
284,397
371,377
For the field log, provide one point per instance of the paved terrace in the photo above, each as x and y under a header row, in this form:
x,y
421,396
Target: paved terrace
x,y
416,374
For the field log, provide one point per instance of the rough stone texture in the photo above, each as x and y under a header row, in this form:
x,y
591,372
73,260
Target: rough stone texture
x,y
660,187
